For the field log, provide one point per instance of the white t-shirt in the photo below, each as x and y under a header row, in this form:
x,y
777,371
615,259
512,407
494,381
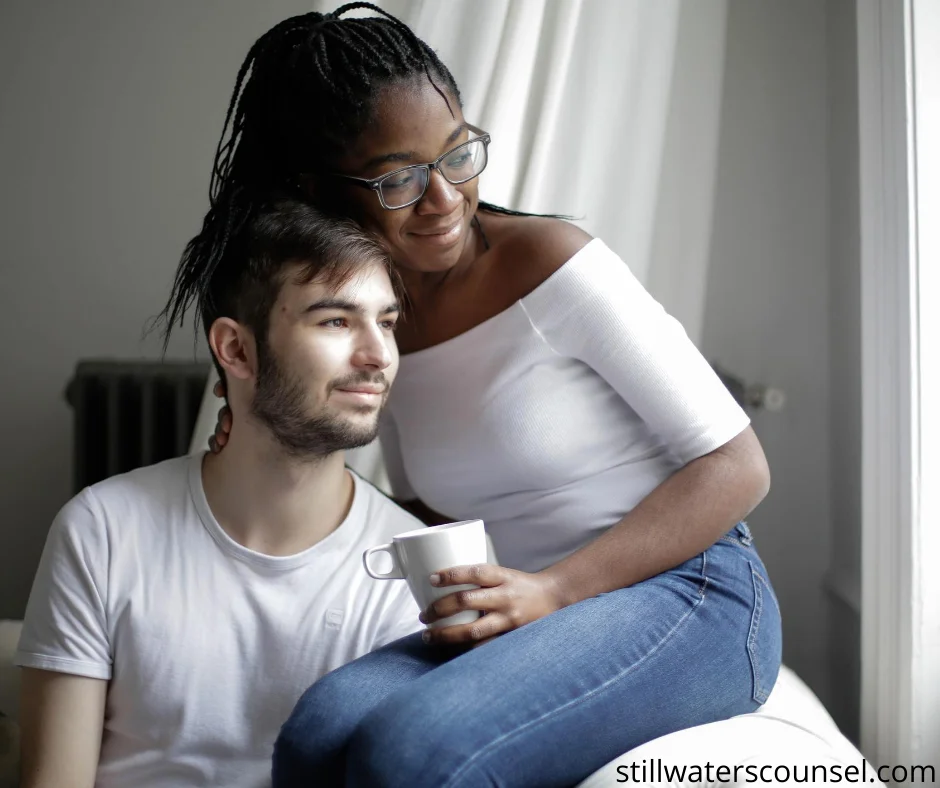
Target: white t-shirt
x,y
207,645
553,419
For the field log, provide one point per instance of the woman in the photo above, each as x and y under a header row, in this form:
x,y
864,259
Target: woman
x,y
540,389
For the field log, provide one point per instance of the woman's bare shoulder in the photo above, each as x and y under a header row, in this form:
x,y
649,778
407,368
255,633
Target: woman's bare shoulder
x,y
530,249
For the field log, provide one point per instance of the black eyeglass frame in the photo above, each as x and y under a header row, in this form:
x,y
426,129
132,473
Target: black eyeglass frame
x,y
375,184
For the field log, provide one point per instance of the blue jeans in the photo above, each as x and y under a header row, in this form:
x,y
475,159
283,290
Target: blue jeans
x,y
553,701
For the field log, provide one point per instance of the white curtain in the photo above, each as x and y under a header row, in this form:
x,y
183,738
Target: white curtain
x,y
605,110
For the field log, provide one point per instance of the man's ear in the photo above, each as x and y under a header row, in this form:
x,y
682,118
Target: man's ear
x,y
234,347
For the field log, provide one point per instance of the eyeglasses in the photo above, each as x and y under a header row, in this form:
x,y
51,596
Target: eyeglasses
x,y
406,186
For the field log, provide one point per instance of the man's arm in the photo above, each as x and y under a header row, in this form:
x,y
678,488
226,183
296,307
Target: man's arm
x,y
61,720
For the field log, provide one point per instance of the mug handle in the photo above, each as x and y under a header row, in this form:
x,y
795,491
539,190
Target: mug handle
x,y
395,574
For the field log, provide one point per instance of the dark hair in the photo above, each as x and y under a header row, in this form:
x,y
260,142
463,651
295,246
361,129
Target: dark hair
x,y
305,90
246,283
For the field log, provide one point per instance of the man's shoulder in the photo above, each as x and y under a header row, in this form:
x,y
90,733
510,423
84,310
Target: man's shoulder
x,y
384,517
151,488
119,515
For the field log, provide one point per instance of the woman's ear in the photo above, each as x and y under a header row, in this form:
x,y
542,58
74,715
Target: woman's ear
x,y
233,345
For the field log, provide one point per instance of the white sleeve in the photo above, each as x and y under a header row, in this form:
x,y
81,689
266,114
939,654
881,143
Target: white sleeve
x,y
391,454
594,310
65,628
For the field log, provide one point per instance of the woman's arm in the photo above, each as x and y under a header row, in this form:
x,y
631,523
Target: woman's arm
x,y
682,517
597,313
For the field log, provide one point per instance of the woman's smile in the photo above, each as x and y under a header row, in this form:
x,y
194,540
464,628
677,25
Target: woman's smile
x,y
443,235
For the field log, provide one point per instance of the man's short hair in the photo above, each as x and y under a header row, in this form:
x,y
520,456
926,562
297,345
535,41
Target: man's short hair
x,y
283,232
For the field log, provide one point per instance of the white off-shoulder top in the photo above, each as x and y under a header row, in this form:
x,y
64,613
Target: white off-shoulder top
x,y
554,418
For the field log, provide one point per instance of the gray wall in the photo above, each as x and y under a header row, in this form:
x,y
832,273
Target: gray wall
x,y
767,313
107,131
845,408
783,308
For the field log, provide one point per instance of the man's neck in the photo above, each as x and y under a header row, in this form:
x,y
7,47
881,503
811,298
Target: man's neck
x,y
270,502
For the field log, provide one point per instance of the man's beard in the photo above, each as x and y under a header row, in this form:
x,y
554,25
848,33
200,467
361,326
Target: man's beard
x,y
280,403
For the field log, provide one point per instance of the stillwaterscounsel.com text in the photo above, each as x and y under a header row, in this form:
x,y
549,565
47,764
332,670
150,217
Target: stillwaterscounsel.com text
x,y
654,770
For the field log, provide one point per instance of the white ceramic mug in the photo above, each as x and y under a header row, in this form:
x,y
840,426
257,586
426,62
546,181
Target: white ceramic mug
x,y
417,554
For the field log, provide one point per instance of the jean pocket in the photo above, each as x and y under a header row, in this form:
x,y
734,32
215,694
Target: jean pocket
x,y
764,640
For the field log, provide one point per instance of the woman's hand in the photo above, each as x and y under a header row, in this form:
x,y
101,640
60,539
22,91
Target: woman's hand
x,y
507,597
224,424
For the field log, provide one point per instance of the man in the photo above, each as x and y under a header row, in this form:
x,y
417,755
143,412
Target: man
x,y
179,611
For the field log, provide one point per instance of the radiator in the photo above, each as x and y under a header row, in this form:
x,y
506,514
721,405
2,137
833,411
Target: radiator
x,y
128,414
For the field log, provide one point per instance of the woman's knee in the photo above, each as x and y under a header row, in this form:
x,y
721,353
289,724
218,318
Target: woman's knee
x,y
313,729
408,741
314,738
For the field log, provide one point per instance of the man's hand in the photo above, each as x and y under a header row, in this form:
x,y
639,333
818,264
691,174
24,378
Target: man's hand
x,y
223,425
508,598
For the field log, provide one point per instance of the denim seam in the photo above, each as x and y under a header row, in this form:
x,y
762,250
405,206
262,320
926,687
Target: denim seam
x,y
766,585
759,693
506,737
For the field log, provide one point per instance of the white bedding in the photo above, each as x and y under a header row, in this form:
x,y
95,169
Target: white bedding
x,y
790,733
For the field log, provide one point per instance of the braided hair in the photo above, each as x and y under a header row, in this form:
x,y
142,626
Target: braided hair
x,y
306,88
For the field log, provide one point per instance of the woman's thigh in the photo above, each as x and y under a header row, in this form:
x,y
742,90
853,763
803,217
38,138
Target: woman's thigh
x,y
553,701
